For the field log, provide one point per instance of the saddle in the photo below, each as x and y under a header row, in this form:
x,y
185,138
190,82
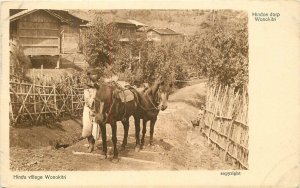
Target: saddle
x,y
126,95
124,92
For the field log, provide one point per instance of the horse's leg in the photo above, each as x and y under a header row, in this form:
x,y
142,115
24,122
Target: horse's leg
x,y
91,141
114,140
137,133
144,132
152,123
126,128
104,143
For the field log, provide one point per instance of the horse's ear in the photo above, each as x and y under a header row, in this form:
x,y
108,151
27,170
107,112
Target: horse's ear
x,y
160,79
96,86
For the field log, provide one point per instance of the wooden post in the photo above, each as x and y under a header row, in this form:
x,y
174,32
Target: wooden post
x,y
43,115
71,89
210,127
10,106
230,126
214,113
130,54
34,97
55,103
58,63
139,56
227,139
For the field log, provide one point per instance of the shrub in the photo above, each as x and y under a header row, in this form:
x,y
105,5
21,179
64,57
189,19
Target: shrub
x,y
100,44
102,49
19,62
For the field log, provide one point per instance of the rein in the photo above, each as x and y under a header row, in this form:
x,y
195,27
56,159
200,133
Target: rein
x,y
111,106
109,112
155,107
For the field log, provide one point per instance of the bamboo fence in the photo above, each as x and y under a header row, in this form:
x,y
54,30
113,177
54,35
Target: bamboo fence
x,y
39,99
226,125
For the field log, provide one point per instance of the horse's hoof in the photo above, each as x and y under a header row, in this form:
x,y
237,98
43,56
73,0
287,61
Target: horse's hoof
x,y
142,147
152,146
115,160
122,148
137,149
91,149
104,154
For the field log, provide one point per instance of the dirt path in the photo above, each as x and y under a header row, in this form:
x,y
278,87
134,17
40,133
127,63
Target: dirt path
x,y
177,145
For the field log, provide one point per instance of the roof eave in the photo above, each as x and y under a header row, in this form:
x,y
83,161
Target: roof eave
x,y
21,14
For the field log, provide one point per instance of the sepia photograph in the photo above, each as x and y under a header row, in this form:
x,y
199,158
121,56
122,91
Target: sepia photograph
x,y
128,89
149,93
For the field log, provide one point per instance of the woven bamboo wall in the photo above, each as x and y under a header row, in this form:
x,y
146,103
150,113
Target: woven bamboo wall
x,y
226,125
37,101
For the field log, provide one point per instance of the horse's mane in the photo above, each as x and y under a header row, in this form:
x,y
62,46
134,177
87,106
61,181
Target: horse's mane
x,y
147,89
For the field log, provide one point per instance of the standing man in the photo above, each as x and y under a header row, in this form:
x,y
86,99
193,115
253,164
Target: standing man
x,y
199,119
90,127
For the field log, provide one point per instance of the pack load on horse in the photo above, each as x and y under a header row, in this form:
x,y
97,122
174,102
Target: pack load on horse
x,y
117,101
113,103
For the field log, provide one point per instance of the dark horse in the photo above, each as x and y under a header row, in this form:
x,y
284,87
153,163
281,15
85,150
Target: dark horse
x,y
150,102
109,109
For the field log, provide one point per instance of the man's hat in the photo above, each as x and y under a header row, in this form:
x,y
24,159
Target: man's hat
x,y
93,71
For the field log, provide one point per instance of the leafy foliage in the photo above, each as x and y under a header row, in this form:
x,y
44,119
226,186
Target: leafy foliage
x,y
155,59
100,44
19,62
221,53
136,61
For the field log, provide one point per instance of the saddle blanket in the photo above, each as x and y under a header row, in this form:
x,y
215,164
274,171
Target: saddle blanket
x,y
123,84
126,95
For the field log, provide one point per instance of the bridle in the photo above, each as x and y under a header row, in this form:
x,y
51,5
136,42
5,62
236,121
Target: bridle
x,y
156,100
111,106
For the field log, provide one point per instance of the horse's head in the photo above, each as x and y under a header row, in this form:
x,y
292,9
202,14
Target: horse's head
x,y
163,94
163,91
102,103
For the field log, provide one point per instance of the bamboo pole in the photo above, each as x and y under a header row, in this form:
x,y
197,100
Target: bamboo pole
x,y
11,108
122,158
34,96
72,100
229,131
43,92
213,118
55,101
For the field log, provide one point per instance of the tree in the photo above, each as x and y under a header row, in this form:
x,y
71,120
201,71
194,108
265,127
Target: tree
x,y
101,43
160,59
103,49
221,52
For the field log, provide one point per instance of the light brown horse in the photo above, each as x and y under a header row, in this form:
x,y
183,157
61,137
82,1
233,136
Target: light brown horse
x,y
150,102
